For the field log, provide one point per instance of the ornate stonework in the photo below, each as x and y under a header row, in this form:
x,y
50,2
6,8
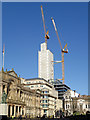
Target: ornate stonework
x,y
20,100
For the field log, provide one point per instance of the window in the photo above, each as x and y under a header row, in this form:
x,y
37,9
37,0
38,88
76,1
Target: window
x,y
44,106
66,106
45,101
26,86
41,81
89,106
28,82
42,91
45,96
45,111
45,91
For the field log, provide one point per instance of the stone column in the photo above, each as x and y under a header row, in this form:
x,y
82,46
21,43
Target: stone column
x,y
7,110
18,111
0,93
19,94
21,110
10,110
14,111
24,111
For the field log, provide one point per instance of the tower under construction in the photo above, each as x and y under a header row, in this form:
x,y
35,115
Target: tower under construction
x,y
45,66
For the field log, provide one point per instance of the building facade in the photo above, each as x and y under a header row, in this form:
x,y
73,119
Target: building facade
x,y
49,99
20,100
75,103
81,104
60,87
68,101
45,64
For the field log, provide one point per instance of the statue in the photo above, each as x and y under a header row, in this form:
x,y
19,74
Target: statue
x,y
4,96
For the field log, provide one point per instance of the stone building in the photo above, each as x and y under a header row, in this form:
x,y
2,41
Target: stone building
x,y
81,104
49,100
68,101
75,103
20,100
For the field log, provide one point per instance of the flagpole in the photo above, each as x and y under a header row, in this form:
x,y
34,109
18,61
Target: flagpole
x,y
3,55
3,60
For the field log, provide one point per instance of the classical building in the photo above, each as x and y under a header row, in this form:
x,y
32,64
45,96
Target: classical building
x,y
75,103
49,99
20,100
81,104
68,101
45,64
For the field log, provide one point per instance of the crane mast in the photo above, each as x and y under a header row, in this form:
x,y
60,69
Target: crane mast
x,y
46,33
63,66
62,50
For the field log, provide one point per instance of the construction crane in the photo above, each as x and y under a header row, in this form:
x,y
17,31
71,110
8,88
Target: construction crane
x,y
46,33
63,50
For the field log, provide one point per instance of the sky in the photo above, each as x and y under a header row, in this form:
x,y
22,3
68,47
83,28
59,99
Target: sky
x,y
23,32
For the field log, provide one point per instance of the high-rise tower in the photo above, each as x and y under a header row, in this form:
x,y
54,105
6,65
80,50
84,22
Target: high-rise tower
x,y
45,64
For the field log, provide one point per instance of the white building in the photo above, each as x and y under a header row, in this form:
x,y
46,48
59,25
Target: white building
x,y
75,103
45,64
49,96
68,101
81,104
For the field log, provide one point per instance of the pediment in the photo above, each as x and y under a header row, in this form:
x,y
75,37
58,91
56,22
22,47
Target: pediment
x,y
12,72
